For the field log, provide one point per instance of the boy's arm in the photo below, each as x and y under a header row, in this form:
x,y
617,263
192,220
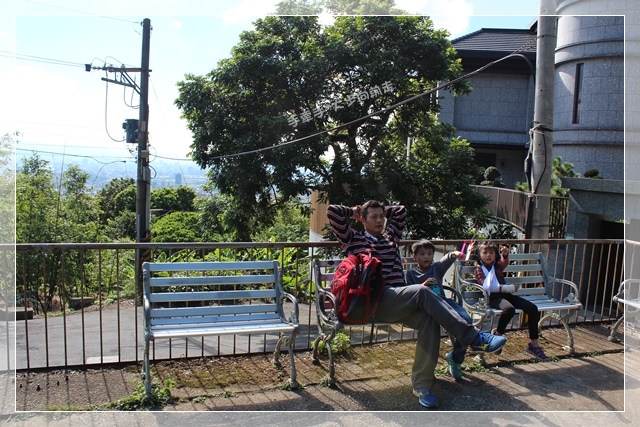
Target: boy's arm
x,y
446,261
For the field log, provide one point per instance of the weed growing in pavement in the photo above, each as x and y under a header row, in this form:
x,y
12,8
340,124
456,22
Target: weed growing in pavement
x,y
339,344
160,396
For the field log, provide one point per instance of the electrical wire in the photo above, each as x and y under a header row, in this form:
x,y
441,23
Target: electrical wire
x,y
106,108
34,58
535,129
28,150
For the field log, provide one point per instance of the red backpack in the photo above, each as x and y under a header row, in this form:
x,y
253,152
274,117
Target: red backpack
x,y
357,285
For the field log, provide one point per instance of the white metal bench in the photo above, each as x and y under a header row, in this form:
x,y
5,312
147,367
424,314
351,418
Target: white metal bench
x,y
628,300
193,299
555,298
328,324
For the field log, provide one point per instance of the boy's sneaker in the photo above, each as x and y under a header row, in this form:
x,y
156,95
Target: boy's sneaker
x,y
494,331
455,369
425,397
484,342
537,352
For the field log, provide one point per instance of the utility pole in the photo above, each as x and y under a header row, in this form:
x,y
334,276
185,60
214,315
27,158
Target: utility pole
x,y
143,184
138,133
542,141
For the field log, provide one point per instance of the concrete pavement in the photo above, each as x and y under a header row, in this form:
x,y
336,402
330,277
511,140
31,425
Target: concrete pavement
x,y
585,390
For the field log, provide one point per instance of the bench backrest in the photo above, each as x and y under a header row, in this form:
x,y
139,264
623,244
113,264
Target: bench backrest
x,y
179,293
528,270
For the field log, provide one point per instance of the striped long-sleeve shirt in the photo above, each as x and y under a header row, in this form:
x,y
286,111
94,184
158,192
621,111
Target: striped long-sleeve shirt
x,y
385,248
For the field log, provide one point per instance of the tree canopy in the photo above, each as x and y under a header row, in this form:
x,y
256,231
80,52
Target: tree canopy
x,y
300,107
345,7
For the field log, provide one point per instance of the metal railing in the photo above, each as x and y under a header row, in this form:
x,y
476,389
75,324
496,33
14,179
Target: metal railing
x,y
513,206
106,325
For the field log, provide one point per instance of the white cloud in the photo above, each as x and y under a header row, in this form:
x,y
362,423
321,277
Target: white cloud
x,y
175,25
452,15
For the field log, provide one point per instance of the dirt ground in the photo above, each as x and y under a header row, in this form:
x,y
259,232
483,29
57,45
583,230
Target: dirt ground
x,y
375,377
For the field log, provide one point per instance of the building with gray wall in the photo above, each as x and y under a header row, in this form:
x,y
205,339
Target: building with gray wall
x,y
588,128
588,96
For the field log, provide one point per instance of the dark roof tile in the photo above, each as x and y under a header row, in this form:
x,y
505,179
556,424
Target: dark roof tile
x,y
497,40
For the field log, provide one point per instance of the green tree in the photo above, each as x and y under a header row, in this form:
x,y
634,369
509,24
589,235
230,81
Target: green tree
x,y
7,190
300,7
177,227
433,183
363,7
107,195
329,90
79,209
177,199
291,225
35,202
559,170
7,220
117,202
340,7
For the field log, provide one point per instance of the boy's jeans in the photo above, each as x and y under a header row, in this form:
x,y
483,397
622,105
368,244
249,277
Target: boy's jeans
x,y
459,350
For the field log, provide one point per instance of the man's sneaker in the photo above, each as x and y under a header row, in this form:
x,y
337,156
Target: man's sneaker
x,y
484,342
537,352
425,397
455,369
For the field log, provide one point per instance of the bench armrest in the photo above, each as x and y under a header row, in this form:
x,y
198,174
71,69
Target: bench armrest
x,y
146,305
570,297
326,306
295,313
455,295
474,296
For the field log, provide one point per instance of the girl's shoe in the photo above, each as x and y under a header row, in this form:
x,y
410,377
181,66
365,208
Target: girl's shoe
x,y
537,352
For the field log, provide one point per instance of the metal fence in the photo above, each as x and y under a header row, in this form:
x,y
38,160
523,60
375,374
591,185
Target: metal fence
x,y
513,206
106,324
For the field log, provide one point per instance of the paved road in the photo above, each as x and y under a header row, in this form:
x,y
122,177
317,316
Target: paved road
x,y
113,334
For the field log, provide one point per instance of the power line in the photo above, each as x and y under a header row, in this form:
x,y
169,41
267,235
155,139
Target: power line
x,y
67,154
34,58
30,150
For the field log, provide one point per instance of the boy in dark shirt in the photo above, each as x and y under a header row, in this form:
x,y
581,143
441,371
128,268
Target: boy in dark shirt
x,y
431,274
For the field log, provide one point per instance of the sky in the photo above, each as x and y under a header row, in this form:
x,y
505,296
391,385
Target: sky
x,y
57,108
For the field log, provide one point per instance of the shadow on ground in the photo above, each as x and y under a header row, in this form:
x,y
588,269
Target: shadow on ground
x,y
370,378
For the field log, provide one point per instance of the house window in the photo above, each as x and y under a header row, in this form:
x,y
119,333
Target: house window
x,y
577,94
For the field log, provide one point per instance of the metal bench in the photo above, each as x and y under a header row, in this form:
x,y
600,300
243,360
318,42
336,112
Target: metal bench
x,y
555,298
628,300
197,299
325,303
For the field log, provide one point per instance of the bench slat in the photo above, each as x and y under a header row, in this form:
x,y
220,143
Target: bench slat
x,y
530,291
212,280
536,268
257,318
208,266
204,330
524,279
212,310
206,296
